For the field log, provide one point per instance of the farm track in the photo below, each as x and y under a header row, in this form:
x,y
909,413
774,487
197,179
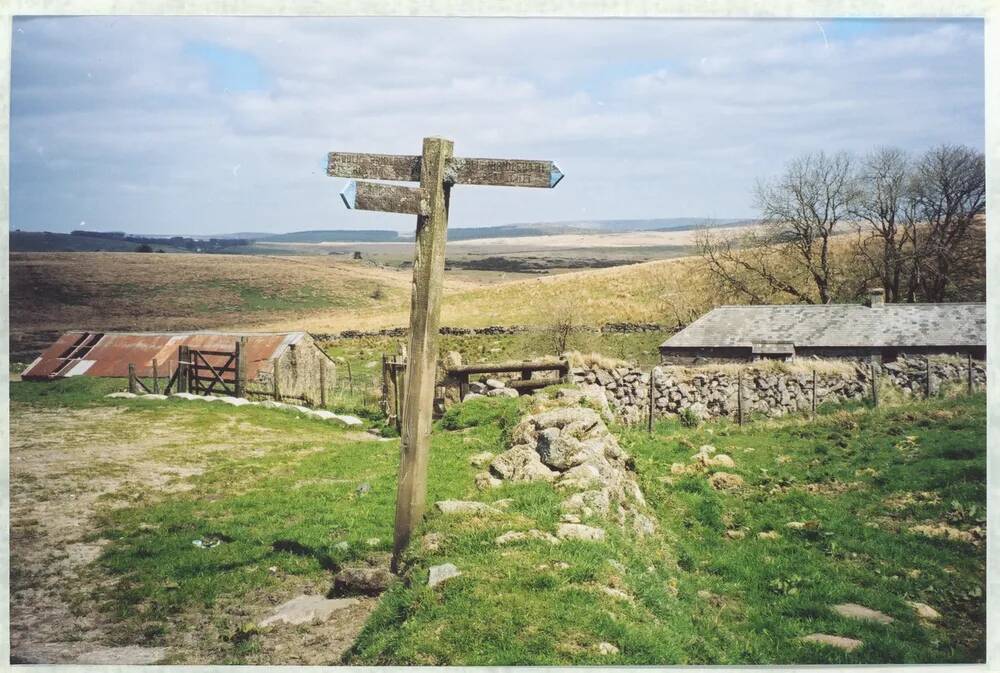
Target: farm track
x,y
69,465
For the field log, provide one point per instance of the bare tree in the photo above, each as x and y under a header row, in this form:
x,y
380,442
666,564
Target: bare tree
x,y
884,210
949,192
750,266
802,209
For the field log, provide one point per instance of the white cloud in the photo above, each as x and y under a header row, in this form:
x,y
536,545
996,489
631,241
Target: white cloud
x,y
116,122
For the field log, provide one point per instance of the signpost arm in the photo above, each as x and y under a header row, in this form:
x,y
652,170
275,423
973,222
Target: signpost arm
x,y
425,314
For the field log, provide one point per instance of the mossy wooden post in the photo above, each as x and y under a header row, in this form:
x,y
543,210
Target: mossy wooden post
x,y
927,376
276,387
132,387
422,353
649,425
874,378
322,384
436,170
739,397
156,378
968,371
813,401
182,369
241,367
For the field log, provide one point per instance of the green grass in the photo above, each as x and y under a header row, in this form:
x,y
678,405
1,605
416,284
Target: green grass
x,y
289,505
258,298
638,347
512,605
75,392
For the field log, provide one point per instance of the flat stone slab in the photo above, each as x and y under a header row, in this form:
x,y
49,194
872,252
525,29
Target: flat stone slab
x,y
579,531
924,611
439,574
307,610
518,536
464,507
131,654
121,396
860,612
840,642
186,396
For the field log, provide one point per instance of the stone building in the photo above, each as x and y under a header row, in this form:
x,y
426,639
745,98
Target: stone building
x,y
861,331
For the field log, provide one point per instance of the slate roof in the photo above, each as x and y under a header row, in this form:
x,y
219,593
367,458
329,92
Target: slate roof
x,y
844,325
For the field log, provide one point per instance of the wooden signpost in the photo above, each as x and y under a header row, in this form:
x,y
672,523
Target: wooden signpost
x,y
437,170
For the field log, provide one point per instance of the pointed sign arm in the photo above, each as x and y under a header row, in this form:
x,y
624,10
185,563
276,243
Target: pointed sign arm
x,y
362,195
503,172
458,170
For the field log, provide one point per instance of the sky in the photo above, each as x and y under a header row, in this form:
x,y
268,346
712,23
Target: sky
x,y
206,125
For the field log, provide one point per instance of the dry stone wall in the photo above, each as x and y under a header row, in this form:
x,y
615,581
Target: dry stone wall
x,y
711,393
569,445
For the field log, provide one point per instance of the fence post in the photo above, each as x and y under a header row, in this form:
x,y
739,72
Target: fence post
x,y
649,427
874,385
396,406
739,397
814,396
384,404
182,369
132,387
968,362
927,371
276,385
156,378
322,384
241,367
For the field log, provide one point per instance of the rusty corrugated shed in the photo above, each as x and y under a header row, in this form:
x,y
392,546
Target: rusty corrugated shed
x,y
109,354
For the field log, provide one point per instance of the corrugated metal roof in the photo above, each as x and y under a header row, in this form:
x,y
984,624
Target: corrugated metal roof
x,y
109,354
837,325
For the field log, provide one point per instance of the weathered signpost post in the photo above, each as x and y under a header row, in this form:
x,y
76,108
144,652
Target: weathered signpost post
x,y
437,170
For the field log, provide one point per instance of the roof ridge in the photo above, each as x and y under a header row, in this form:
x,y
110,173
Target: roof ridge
x,y
887,304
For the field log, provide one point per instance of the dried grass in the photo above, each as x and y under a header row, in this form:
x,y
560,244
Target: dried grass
x,y
796,367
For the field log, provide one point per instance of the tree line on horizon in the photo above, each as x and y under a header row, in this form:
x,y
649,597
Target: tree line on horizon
x,y
914,225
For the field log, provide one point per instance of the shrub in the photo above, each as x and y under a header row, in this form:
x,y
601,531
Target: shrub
x,y
688,418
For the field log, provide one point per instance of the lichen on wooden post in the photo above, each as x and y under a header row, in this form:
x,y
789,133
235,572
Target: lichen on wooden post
x,y
425,315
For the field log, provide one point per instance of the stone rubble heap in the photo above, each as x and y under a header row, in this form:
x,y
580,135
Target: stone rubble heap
x,y
570,446
489,388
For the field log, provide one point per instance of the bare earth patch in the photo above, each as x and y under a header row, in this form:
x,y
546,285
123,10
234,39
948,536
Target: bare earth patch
x,y
65,466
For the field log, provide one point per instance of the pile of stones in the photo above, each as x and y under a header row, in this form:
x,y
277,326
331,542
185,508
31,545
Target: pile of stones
x,y
569,445
489,388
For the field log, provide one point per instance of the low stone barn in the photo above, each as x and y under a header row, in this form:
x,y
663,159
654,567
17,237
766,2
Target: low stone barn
x,y
873,330
300,364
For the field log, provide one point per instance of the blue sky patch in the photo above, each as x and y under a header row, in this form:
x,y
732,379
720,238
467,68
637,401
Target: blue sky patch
x,y
229,69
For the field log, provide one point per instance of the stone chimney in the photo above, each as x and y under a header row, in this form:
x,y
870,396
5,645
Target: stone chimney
x,y
876,297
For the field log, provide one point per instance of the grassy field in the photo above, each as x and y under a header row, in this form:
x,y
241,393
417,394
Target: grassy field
x,y
280,494
52,292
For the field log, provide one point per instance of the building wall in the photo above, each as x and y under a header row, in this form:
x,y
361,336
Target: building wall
x,y
302,370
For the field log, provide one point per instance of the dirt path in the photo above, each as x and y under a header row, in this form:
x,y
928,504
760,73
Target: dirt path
x,y
65,464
